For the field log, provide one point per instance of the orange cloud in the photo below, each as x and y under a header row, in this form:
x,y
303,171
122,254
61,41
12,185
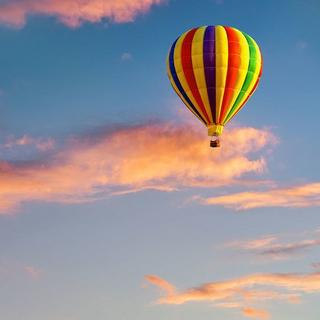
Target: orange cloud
x,y
239,292
154,156
74,12
255,313
167,287
307,195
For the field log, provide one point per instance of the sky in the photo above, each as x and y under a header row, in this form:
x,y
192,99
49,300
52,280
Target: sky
x,y
112,205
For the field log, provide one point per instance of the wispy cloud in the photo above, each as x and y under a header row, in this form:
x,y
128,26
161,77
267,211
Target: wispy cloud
x,y
243,292
302,45
254,244
275,247
13,268
126,56
285,250
158,156
26,140
164,285
316,265
255,313
74,12
307,195
33,272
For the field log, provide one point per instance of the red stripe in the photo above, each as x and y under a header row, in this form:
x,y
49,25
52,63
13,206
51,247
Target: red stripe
x,y
187,67
233,69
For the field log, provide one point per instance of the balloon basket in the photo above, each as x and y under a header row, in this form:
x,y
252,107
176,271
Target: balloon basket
x,y
215,143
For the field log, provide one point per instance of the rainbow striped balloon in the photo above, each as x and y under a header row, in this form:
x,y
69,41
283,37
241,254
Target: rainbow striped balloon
x,y
214,70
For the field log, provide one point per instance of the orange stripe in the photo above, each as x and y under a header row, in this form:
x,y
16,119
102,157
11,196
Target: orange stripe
x,y
187,67
232,73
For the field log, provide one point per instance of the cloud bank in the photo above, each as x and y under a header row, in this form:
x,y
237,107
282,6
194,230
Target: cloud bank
x,y
73,13
159,156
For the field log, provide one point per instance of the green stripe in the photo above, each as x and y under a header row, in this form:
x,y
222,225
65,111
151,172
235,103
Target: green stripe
x,y
249,77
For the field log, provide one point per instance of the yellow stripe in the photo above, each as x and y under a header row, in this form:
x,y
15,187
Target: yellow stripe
x,y
221,65
242,70
253,82
180,73
178,92
198,68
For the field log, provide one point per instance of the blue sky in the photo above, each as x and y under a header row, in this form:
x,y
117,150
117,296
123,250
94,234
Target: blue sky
x,y
97,192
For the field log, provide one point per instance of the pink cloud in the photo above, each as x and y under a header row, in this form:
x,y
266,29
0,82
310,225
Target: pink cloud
x,y
240,292
307,195
161,156
252,244
74,12
275,247
14,268
316,265
288,249
25,140
33,272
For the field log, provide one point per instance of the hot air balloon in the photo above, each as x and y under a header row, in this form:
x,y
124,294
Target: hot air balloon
x,y
214,70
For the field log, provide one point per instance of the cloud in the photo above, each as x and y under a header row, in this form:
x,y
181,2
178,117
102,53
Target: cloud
x,y
302,45
25,140
243,291
13,268
164,285
255,313
284,250
307,195
126,56
252,244
74,12
272,247
316,265
160,156
33,272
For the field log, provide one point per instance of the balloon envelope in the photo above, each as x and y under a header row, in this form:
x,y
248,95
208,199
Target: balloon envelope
x,y
214,70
